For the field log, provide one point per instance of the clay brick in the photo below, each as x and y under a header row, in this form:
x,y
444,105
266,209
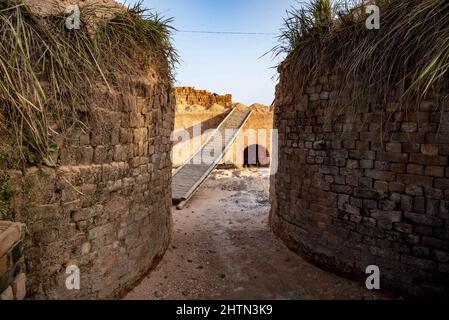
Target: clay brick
x,y
393,107
419,205
420,263
365,193
100,231
428,160
393,147
423,219
440,256
428,106
437,172
411,147
380,175
443,149
381,186
396,187
406,137
403,227
429,149
437,138
362,155
409,127
442,184
385,219
366,164
341,189
409,179
415,169
435,243
392,157
412,116
414,190
398,167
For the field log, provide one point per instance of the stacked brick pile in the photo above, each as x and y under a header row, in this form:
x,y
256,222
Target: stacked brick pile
x,y
191,96
12,281
365,186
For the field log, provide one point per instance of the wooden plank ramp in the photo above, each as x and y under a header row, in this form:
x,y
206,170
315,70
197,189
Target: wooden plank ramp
x,y
194,172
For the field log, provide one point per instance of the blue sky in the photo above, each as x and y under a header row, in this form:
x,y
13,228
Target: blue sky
x,y
226,63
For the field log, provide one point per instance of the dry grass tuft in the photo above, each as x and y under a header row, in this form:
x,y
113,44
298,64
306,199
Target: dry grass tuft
x,y
49,71
408,58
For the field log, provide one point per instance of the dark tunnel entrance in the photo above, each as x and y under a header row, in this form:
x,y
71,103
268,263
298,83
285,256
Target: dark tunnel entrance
x,y
256,156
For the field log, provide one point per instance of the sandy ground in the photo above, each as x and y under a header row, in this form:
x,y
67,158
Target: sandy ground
x,y
223,249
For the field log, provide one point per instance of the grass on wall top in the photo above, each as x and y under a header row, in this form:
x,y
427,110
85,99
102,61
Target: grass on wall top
x,y
48,70
408,58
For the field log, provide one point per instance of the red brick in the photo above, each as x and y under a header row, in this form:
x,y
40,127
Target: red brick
x,y
437,138
415,180
409,127
381,186
393,147
396,187
415,169
428,160
442,184
412,116
437,172
411,147
427,106
398,167
393,107
380,175
392,157
444,149
415,137
429,149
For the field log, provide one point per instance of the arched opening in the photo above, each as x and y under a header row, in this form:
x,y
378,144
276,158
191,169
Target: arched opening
x,y
256,156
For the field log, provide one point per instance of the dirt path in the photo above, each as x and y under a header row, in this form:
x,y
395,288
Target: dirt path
x,y
223,249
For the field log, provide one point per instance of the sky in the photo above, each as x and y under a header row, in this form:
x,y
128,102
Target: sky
x,y
225,63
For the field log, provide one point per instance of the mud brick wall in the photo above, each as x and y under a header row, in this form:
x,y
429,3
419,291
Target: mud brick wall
x,y
106,206
12,279
257,131
199,125
364,186
208,120
192,96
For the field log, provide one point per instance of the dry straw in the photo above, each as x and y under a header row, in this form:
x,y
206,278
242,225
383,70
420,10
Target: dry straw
x,y
50,72
407,59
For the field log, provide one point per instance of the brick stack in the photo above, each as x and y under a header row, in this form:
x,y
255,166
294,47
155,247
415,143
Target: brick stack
x,y
12,281
191,96
364,186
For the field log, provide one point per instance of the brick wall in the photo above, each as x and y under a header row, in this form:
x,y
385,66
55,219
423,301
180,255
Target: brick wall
x,y
192,96
12,278
257,131
106,206
364,186
208,120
